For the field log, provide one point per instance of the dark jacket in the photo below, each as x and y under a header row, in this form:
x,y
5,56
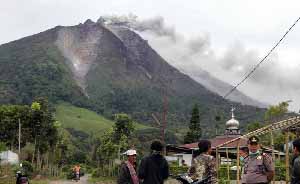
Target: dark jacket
x,y
154,169
124,175
295,172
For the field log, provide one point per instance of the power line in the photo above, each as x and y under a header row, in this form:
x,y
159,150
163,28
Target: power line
x,y
256,66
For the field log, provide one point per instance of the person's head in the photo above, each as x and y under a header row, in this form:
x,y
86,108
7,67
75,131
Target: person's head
x,y
296,145
156,146
244,151
204,146
131,155
253,144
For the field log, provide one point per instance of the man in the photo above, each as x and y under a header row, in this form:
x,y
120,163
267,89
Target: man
x,y
128,169
258,166
183,163
204,165
76,170
244,153
154,169
295,172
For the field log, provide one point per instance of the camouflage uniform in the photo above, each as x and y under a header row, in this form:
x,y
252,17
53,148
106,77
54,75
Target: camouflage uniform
x,y
204,166
256,168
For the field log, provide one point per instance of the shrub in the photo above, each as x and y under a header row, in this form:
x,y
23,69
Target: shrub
x,y
26,169
106,171
96,173
279,171
177,170
222,174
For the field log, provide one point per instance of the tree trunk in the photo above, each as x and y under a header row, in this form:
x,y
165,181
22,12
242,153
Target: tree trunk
x,y
38,159
33,155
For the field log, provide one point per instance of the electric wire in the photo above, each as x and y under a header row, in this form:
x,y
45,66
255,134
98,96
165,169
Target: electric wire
x,y
264,58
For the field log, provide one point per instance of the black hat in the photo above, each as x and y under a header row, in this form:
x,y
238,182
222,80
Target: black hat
x,y
296,143
157,145
253,140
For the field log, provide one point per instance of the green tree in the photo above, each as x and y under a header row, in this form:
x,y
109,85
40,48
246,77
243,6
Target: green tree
x,y
43,141
254,126
44,130
108,150
195,132
9,118
276,111
115,141
123,126
272,114
2,146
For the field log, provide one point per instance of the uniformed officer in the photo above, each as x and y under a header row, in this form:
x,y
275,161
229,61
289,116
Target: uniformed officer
x,y
258,167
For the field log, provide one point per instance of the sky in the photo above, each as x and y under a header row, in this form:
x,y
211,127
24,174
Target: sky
x,y
225,38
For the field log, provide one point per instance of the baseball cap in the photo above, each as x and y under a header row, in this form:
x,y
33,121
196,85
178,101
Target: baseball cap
x,y
130,152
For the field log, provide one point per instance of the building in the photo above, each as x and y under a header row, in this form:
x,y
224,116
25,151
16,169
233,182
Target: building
x,y
232,131
9,157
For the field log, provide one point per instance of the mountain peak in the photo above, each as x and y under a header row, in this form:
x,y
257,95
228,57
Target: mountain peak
x,y
89,22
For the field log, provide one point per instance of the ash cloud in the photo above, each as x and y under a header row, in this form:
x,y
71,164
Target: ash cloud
x,y
154,25
272,82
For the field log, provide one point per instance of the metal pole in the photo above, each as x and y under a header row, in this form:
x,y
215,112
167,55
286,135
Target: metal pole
x,y
238,163
217,162
287,157
227,157
273,154
165,110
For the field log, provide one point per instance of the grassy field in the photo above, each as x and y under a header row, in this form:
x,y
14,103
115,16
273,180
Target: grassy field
x,y
83,119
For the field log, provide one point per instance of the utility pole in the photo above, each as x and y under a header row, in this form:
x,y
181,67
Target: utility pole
x,y
19,138
164,123
164,118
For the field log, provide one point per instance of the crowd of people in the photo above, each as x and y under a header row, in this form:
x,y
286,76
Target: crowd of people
x,y
257,166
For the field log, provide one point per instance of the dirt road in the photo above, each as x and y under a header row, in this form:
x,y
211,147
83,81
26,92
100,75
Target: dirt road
x,y
83,180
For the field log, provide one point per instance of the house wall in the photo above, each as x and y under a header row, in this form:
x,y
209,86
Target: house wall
x,y
186,157
9,157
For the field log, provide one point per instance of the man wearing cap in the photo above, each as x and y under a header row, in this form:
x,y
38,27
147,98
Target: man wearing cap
x,y
258,166
154,169
128,169
295,172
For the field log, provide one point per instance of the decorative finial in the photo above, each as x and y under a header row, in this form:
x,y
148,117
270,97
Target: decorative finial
x,y
232,110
